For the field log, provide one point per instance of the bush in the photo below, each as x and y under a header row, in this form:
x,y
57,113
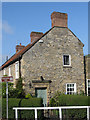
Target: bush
x,y
71,100
32,102
17,92
13,102
11,90
28,95
19,88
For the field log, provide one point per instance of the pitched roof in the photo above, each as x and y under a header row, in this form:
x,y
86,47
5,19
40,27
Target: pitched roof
x,y
18,55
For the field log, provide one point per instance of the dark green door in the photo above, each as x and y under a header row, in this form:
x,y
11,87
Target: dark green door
x,y
42,93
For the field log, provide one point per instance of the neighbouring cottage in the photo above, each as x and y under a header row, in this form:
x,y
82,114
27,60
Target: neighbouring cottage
x,y
53,61
87,73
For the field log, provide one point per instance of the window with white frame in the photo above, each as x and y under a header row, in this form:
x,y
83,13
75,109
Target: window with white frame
x,y
88,87
70,88
17,70
66,60
4,72
9,71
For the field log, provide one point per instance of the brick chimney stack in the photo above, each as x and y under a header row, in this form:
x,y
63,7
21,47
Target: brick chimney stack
x,y
35,35
19,47
59,19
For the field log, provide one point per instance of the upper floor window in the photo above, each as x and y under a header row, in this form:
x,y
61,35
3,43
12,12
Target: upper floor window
x,y
9,71
4,72
66,60
70,88
17,70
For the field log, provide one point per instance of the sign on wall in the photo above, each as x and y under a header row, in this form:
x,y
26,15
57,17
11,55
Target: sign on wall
x,y
7,79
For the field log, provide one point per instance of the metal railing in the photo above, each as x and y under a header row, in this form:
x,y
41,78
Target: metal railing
x,y
50,108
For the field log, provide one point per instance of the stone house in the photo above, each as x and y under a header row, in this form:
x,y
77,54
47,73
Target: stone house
x,y
53,61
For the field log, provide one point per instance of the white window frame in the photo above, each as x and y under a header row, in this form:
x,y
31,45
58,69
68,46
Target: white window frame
x,y
4,72
87,86
69,60
74,87
17,70
9,71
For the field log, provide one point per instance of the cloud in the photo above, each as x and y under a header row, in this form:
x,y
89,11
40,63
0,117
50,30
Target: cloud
x,y
6,27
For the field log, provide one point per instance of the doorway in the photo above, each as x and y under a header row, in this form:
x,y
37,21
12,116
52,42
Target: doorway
x,y
42,93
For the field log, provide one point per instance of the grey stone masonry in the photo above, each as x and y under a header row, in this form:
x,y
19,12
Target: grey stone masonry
x,y
87,66
46,59
12,73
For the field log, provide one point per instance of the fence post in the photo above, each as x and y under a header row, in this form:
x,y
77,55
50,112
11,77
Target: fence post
x,y
35,114
16,114
60,113
87,113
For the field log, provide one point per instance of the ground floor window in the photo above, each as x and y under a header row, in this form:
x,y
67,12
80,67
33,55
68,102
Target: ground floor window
x,y
88,87
70,88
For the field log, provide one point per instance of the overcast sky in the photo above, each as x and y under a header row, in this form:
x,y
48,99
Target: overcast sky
x,y
19,19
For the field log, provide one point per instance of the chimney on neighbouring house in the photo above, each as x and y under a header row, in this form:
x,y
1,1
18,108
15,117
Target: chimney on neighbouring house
x,y
19,47
59,19
35,35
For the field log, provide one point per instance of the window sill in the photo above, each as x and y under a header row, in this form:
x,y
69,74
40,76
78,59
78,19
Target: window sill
x,y
67,66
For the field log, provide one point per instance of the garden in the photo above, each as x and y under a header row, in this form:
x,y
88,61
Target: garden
x,y
17,98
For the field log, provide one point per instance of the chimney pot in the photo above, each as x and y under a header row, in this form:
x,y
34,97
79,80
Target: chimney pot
x,y
59,19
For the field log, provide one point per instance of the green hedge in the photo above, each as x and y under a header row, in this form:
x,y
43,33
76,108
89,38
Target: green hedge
x,y
13,102
71,100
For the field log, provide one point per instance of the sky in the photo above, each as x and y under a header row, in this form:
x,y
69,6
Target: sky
x,y
19,19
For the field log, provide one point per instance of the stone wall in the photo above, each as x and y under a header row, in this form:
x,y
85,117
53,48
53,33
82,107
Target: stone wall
x,y
12,67
46,59
87,67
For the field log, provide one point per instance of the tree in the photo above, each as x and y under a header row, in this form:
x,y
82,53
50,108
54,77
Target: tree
x,y
19,87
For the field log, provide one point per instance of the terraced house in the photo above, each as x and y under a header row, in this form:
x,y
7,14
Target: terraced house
x,y
53,61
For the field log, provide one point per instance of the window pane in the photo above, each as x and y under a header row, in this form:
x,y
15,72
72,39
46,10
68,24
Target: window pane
x,y
68,85
71,89
67,92
88,83
72,85
67,89
66,59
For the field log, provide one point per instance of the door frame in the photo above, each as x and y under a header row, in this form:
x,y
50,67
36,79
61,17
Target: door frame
x,y
43,85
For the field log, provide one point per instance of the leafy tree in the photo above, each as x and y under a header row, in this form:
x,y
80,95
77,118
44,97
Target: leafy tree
x,y
19,87
17,92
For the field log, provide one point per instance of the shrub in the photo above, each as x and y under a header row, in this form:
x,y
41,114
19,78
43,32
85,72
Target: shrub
x,y
17,92
32,102
11,90
14,102
28,96
20,90
71,100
